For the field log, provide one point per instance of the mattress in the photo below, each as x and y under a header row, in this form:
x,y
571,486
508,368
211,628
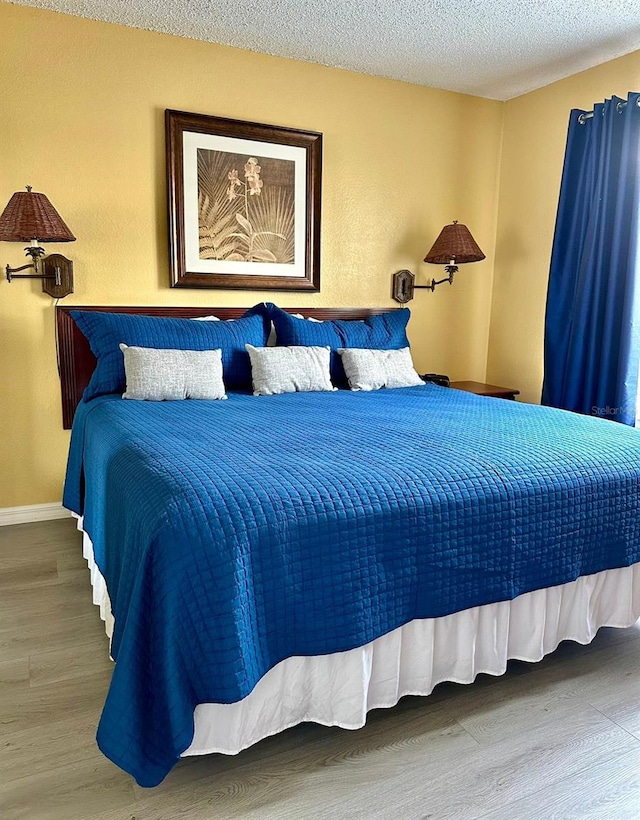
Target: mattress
x,y
235,535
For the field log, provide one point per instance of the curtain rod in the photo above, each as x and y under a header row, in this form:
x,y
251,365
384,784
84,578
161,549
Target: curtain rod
x,y
587,115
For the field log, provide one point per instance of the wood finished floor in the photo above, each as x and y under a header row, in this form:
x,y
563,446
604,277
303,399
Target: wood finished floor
x,y
558,739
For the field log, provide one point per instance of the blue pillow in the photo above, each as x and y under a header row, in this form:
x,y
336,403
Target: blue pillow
x,y
106,331
386,331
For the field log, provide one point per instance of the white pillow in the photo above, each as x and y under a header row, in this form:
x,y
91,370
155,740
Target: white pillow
x,y
271,341
289,369
217,318
168,375
308,318
373,369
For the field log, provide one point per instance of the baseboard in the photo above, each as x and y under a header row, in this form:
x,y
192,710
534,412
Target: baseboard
x,y
32,512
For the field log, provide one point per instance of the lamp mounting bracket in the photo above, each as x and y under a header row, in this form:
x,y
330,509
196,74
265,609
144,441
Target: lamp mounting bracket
x,y
404,283
57,274
402,286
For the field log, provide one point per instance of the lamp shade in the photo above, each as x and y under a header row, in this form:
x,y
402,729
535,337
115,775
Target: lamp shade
x,y
454,242
30,215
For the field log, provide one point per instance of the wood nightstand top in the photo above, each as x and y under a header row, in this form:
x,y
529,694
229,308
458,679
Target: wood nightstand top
x,y
481,389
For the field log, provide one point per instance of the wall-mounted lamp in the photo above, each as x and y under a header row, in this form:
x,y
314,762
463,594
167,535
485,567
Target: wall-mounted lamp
x,y
30,217
454,246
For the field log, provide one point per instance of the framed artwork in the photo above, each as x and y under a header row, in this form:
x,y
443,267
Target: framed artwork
x,y
244,204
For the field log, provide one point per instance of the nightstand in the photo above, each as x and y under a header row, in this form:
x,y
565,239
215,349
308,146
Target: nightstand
x,y
481,389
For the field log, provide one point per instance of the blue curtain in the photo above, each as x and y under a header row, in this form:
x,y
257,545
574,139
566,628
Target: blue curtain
x,y
592,330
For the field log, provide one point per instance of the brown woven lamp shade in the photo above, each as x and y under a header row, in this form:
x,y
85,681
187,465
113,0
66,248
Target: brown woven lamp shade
x,y
30,215
454,242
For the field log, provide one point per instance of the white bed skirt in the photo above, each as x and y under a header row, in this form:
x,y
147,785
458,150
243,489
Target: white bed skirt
x,y
339,689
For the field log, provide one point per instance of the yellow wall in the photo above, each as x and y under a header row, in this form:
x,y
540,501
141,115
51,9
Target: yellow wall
x,y
535,132
81,119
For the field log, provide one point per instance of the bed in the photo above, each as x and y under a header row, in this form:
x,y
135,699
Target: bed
x,y
265,561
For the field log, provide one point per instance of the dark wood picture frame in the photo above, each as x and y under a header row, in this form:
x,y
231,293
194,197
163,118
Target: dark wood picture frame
x,y
307,277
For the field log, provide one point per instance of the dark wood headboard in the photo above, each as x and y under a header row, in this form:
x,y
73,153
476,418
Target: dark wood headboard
x,y
77,362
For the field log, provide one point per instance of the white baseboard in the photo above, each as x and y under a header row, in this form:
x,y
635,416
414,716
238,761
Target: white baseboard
x,y
32,512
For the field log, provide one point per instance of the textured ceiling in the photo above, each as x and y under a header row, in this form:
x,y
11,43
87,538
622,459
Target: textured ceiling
x,y
490,48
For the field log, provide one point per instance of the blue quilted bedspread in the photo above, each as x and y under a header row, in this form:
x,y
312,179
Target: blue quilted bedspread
x,y
233,534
